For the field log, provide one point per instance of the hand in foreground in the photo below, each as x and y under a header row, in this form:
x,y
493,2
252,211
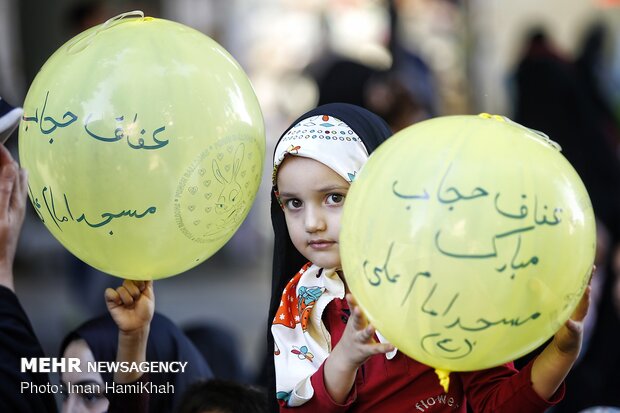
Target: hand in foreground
x,y
357,343
354,348
569,337
552,366
131,305
13,190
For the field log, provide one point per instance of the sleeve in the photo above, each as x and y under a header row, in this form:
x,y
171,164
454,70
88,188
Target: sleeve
x,y
130,402
17,341
315,397
505,390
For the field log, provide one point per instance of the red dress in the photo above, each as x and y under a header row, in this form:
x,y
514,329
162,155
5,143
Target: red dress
x,y
405,385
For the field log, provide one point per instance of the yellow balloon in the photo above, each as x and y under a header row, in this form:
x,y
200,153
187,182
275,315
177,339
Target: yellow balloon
x,y
477,241
144,143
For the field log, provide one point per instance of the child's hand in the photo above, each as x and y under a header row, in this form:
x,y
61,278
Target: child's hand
x,y
357,343
568,338
354,348
551,366
131,305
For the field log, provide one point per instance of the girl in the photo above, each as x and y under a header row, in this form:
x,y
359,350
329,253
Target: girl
x,y
97,340
327,357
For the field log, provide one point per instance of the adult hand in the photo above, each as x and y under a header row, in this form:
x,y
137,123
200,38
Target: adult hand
x,y
13,190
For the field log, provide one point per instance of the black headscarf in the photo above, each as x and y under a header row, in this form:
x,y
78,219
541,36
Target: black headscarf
x,y
372,130
166,342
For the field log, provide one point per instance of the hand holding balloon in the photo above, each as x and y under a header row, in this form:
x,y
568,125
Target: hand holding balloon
x,y
551,367
568,338
354,348
131,306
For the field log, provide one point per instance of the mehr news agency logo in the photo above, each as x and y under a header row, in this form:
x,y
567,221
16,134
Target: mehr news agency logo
x,y
73,364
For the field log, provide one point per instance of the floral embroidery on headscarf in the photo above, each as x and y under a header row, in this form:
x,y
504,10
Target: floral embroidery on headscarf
x,y
325,139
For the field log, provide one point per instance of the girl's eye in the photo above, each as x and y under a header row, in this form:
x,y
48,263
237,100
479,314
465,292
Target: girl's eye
x,y
91,398
293,203
335,199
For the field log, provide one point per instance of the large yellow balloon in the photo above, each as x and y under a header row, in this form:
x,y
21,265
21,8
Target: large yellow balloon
x,y
468,241
144,143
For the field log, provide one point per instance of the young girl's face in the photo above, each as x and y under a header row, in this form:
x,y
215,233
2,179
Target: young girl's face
x,y
88,389
312,195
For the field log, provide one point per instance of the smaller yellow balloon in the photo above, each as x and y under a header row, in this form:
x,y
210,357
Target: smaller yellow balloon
x,y
477,241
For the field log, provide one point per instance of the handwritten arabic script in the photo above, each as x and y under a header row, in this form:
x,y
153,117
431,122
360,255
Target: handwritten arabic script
x,y
60,214
522,221
452,336
130,132
509,248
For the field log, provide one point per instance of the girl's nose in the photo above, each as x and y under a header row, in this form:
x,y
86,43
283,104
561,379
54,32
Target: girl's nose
x,y
314,221
70,405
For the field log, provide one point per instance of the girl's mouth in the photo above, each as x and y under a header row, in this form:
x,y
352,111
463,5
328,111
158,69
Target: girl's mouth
x,y
320,244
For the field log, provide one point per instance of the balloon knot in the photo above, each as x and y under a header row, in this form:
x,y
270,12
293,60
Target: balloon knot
x,y
444,378
489,116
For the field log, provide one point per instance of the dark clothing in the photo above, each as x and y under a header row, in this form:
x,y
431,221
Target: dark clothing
x,y
130,402
565,101
166,343
17,340
551,98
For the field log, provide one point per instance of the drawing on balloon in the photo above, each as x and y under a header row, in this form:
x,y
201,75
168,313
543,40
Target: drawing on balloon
x,y
230,202
212,196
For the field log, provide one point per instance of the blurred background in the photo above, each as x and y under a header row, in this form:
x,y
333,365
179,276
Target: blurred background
x,y
552,65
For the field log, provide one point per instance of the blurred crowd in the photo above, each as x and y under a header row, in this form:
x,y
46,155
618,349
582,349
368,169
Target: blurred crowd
x,y
569,96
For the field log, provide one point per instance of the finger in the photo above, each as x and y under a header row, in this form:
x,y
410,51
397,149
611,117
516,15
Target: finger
x,y
112,297
148,290
7,182
358,319
574,327
20,190
385,347
351,300
379,348
366,335
582,308
5,156
125,296
140,284
132,288
18,195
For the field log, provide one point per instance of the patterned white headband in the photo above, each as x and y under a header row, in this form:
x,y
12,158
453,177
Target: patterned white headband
x,y
325,139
